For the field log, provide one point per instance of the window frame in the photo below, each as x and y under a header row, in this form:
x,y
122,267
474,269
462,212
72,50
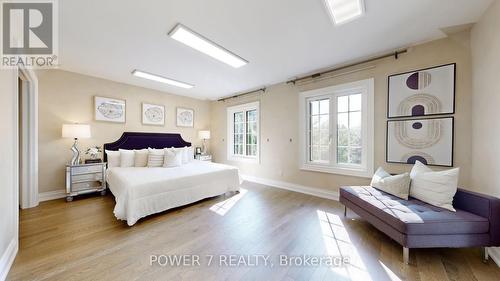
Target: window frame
x,y
231,156
366,89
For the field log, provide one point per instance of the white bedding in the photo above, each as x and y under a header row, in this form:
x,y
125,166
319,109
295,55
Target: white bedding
x,y
140,192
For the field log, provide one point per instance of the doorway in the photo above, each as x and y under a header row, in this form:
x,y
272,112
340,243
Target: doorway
x,y
28,137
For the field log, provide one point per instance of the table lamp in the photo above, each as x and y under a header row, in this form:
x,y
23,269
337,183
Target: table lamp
x,y
76,131
204,135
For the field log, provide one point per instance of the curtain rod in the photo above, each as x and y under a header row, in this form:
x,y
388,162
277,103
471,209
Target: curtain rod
x,y
243,94
318,74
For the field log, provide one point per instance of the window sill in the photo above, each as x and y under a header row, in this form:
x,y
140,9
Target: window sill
x,y
362,173
244,159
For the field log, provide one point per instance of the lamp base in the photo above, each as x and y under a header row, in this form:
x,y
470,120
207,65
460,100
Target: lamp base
x,y
76,154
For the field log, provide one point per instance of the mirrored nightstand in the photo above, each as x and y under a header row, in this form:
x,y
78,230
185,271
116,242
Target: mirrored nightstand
x,y
204,157
85,178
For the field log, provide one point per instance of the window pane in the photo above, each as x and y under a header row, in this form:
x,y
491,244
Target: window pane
x,y
315,153
355,102
251,115
324,122
314,107
324,106
343,121
325,153
355,137
355,156
355,120
342,155
324,137
315,137
343,104
343,138
314,122
238,117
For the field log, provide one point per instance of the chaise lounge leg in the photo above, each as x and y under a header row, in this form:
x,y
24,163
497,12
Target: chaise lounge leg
x,y
406,255
484,254
345,210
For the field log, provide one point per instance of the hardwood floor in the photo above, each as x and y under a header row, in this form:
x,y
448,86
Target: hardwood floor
x,y
82,240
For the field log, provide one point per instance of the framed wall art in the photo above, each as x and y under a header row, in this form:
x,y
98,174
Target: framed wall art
x,y
423,92
185,117
153,114
429,141
109,109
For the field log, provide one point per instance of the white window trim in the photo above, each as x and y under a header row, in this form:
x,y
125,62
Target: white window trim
x,y
230,130
367,87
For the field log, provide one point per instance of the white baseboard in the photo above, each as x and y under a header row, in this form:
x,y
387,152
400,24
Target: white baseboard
x,y
494,253
51,195
314,191
8,258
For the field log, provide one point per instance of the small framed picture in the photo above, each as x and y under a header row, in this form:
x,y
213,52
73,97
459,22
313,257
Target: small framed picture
x,y
153,114
185,117
109,110
198,150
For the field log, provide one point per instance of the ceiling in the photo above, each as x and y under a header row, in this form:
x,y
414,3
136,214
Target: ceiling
x,y
280,38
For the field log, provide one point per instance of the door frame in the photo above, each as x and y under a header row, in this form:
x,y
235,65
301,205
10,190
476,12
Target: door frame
x,y
28,198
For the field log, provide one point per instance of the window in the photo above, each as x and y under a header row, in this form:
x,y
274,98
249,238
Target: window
x,y
243,132
337,129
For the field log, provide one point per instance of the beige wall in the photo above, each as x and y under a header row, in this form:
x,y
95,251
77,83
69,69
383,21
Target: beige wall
x,y
8,167
279,117
485,41
66,97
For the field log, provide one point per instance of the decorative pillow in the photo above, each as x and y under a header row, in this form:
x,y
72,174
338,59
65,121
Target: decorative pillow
x,y
155,157
113,158
126,158
435,188
398,185
190,154
141,158
173,157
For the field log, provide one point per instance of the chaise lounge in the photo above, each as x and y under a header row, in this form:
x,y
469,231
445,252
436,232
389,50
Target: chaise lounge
x,y
415,224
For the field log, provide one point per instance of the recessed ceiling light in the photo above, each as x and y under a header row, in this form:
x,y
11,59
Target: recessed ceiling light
x,y
161,79
343,11
202,44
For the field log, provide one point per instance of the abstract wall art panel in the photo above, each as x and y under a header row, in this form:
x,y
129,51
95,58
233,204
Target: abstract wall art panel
x,y
109,110
429,141
185,117
423,92
153,114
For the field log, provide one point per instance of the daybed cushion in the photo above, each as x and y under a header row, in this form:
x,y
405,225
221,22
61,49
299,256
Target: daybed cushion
x,y
414,217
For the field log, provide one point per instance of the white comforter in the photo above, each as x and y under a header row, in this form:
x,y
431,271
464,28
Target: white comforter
x,y
140,192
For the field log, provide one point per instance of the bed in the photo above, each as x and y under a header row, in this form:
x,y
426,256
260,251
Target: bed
x,y
142,191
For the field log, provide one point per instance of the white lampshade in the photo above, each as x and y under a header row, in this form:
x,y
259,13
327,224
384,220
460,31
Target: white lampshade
x,y
76,131
204,135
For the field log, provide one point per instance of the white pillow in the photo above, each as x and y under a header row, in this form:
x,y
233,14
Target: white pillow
x,y
173,157
113,158
184,153
141,158
398,185
435,188
190,154
126,158
155,157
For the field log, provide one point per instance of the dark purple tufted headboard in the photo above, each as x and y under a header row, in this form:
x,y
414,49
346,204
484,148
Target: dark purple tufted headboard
x,y
133,140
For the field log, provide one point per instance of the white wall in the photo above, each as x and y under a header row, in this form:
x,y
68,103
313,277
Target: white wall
x,y
485,43
9,210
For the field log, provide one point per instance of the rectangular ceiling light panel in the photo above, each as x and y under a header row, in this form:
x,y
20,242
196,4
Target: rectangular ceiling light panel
x,y
161,79
343,11
202,44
